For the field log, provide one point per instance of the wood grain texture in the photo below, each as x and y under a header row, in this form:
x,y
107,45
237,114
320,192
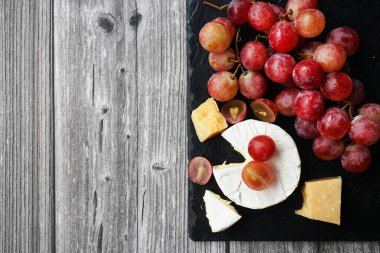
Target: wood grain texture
x,y
26,128
96,126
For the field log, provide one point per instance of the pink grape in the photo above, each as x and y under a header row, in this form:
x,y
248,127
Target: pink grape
x,y
357,93
261,16
225,21
285,101
356,158
346,37
334,124
326,149
283,37
337,87
331,57
223,86
308,74
253,55
296,6
253,85
279,67
364,131
222,61
215,37
238,11
371,110
309,105
306,129
310,23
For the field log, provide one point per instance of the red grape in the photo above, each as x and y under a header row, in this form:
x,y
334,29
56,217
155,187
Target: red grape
x,y
215,37
334,124
261,16
234,111
356,158
346,37
225,21
253,55
294,7
372,111
310,23
264,110
278,10
222,61
261,148
283,37
364,130
223,86
307,50
337,86
253,85
326,149
258,175
199,170
309,105
306,129
357,93
331,57
279,67
308,74
285,101
238,11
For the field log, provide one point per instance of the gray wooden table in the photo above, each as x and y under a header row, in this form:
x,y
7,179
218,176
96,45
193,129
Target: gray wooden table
x,y
93,131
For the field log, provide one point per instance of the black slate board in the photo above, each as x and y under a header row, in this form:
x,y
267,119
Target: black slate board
x,y
361,193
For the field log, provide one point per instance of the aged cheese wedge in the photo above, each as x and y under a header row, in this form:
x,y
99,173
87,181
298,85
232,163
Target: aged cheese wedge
x,y
321,200
221,215
286,163
207,120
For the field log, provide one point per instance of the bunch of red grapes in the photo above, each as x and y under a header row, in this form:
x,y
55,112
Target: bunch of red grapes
x,y
311,72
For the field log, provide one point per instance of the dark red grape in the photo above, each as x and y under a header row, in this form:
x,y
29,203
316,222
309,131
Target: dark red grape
x,y
238,11
294,7
283,37
306,129
223,86
371,110
253,85
308,74
222,61
261,148
253,55
331,57
215,37
357,93
346,37
261,16
285,101
264,110
234,111
307,50
337,87
225,21
309,105
364,131
279,67
310,23
326,149
334,124
356,158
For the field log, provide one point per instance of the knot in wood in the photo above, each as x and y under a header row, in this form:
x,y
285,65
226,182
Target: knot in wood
x,y
135,19
105,22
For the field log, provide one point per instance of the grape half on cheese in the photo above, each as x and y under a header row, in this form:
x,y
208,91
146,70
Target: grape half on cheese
x,y
221,215
286,163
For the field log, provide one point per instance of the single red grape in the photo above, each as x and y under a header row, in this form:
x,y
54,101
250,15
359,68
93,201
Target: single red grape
x,y
253,55
279,67
253,85
234,111
215,37
225,21
261,16
310,23
357,93
199,170
331,57
285,101
334,124
337,86
264,110
326,149
371,110
223,86
346,37
222,61
261,148
309,105
306,129
308,74
356,158
283,37
364,131
258,175
294,7
237,11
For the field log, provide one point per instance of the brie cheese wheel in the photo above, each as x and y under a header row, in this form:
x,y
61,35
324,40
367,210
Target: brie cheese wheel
x,y
286,163
221,215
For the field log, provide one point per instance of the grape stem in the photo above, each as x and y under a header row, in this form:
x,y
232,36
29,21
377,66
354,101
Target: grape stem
x,y
236,70
237,39
283,16
302,56
215,6
350,109
260,36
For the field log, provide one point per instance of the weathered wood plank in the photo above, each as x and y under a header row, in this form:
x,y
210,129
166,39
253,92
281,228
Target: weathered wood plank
x,y
26,127
96,126
354,247
269,247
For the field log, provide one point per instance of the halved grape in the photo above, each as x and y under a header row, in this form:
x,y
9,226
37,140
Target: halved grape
x,y
309,105
356,158
223,86
283,37
308,74
215,37
238,11
253,55
357,94
279,67
334,124
337,86
234,111
332,57
326,149
258,175
372,111
346,37
285,101
261,148
222,61
199,170
261,16
364,131
310,23
294,7
253,85
306,129
264,110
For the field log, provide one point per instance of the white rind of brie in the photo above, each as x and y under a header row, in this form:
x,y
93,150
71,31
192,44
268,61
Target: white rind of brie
x,y
220,213
286,163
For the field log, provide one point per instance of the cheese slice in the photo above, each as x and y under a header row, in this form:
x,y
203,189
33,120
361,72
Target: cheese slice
x,y
207,120
286,162
221,215
321,200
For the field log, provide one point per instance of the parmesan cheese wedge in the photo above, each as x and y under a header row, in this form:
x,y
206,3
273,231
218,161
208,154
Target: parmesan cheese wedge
x,y
221,215
321,200
286,162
